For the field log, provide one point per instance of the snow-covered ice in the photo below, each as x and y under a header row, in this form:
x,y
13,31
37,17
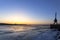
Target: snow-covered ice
x,y
31,34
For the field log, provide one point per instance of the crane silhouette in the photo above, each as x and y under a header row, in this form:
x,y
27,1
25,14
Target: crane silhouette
x,y
55,20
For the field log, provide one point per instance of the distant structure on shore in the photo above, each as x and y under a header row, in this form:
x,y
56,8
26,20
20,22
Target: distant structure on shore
x,y
55,25
55,20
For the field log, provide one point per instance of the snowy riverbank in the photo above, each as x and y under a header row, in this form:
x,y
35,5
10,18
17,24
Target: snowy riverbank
x,y
30,35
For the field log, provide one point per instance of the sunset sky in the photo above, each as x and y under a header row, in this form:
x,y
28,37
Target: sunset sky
x,y
29,11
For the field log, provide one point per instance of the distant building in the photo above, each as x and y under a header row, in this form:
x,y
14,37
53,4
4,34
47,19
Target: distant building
x,y
55,20
55,25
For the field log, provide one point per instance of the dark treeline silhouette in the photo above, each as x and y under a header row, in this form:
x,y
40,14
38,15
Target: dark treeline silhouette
x,y
11,24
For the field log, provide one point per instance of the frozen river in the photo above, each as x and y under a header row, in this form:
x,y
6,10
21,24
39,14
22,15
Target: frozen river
x,y
28,33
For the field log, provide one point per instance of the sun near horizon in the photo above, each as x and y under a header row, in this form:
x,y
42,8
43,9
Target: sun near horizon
x,y
16,20
20,20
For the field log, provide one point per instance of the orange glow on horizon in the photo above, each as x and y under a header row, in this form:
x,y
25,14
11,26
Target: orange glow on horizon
x,y
22,20
17,20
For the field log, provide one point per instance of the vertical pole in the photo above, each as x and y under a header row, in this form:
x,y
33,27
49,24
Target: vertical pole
x,y
56,15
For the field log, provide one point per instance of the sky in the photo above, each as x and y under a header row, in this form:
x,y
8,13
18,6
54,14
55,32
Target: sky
x,y
29,11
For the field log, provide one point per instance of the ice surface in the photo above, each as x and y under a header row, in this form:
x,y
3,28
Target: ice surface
x,y
31,34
